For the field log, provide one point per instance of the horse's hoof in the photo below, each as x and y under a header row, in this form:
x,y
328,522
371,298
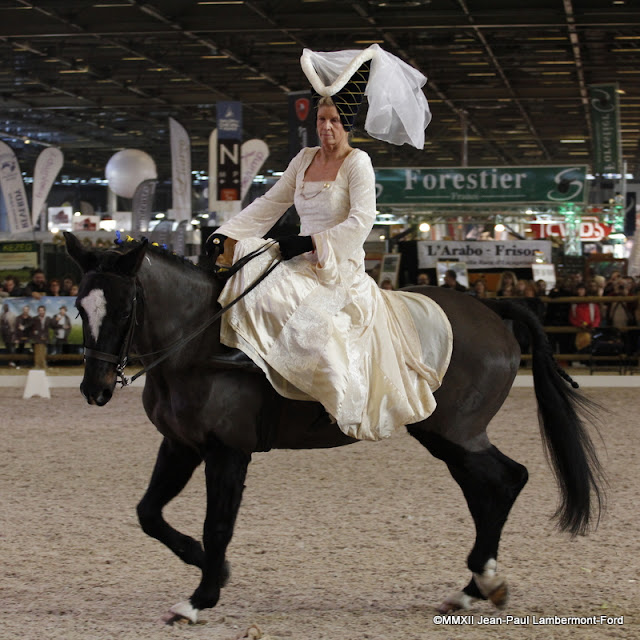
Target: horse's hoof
x,y
455,602
500,595
181,613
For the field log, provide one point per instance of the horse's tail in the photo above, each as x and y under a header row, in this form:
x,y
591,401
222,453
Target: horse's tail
x,y
562,413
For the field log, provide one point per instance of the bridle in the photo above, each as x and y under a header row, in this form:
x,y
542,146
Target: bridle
x,y
122,358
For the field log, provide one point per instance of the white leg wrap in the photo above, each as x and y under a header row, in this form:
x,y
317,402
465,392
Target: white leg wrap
x,y
488,581
185,610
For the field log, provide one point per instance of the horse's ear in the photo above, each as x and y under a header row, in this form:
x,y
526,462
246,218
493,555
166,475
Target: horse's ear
x,y
129,263
86,260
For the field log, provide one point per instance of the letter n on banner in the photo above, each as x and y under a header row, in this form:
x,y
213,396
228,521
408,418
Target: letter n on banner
x,y
229,156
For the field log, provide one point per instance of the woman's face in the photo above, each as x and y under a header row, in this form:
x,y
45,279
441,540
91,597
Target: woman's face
x,y
330,129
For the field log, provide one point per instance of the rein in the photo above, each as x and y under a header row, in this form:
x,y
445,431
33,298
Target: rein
x,y
122,358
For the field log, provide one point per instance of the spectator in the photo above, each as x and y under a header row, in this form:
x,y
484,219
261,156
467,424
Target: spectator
x,y
74,290
506,278
507,291
541,287
610,285
61,325
520,287
423,279
7,330
54,287
620,314
451,281
23,330
386,284
600,282
67,284
40,326
558,316
11,288
479,289
585,316
37,286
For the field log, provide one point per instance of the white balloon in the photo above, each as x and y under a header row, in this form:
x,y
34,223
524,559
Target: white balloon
x,y
127,169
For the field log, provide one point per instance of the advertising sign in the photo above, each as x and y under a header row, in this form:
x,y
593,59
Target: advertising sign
x,y
483,255
481,185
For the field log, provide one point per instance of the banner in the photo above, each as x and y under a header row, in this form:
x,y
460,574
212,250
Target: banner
x,y
47,167
254,154
483,255
604,107
13,192
179,242
228,150
180,171
302,122
481,185
67,318
142,205
18,259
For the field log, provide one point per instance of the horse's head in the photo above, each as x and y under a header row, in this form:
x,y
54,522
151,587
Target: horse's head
x,y
106,303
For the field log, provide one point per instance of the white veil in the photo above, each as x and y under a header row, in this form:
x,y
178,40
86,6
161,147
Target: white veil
x,y
398,109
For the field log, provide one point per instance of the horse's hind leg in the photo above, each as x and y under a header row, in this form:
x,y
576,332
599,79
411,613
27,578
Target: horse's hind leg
x,y
490,482
174,467
226,469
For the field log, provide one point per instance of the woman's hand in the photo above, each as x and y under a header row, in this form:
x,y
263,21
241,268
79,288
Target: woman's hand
x,y
292,246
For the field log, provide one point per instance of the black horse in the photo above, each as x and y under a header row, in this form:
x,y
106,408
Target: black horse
x,y
142,296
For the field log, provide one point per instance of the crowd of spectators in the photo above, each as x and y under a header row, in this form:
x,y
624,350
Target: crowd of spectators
x,y
38,334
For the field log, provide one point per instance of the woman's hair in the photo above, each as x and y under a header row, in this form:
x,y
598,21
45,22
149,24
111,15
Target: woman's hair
x,y
326,101
507,274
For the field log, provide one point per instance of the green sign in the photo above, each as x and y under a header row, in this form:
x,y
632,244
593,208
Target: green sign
x,y
605,123
18,259
481,185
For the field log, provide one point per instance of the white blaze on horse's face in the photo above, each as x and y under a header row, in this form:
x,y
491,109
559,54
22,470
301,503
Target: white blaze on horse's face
x,y
95,306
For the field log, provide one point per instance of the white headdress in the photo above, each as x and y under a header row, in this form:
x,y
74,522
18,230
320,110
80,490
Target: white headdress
x,y
398,109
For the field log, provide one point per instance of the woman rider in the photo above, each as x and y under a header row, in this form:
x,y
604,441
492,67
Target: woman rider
x,y
319,327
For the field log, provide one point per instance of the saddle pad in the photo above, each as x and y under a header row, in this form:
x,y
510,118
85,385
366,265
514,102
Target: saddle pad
x,y
433,330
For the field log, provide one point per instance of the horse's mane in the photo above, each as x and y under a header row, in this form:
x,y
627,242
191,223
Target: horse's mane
x,y
124,245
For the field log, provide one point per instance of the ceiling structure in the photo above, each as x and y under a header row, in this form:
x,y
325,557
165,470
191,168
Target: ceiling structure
x,y
507,80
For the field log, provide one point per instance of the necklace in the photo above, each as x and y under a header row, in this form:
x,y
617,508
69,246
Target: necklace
x,y
325,185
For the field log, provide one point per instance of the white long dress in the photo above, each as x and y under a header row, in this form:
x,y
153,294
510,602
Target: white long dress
x,y
319,326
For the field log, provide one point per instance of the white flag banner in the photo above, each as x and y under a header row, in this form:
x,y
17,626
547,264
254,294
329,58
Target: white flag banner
x,y
180,170
254,152
12,186
47,167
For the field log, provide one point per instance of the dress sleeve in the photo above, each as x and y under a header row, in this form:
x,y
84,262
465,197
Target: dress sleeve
x,y
256,219
342,245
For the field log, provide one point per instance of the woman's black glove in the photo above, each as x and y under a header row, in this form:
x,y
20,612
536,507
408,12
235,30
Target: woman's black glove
x,y
214,246
292,246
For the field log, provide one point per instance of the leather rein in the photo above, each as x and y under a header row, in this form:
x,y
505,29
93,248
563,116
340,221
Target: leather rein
x,y
121,359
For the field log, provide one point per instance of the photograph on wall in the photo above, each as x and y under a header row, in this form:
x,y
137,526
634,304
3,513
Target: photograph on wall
x,y
60,218
462,275
546,272
390,269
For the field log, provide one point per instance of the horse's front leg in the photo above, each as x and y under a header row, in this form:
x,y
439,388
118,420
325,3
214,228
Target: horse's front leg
x,y
174,467
225,471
